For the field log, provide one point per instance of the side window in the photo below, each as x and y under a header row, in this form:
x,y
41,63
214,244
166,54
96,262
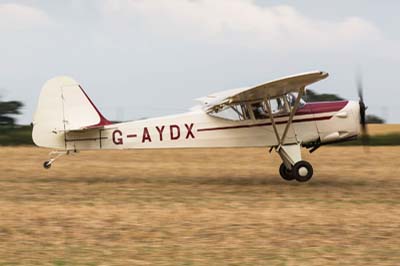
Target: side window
x,y
291,98
235,112
277,106
239,112
245,111
259,110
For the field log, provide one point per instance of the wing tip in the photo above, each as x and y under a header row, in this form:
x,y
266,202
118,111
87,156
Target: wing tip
x,y
324,74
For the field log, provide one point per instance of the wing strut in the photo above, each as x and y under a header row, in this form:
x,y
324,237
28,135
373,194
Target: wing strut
x,y
271,117
282,139
292,113
289,153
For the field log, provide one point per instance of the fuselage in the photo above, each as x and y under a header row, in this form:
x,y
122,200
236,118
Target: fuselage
x,y
322,122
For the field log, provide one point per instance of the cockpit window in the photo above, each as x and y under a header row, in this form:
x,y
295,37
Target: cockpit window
x,y
278,106
291,98
236,112
259,110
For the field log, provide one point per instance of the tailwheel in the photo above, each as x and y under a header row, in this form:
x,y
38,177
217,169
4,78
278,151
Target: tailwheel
x,y
47,165
285,173
302,171
54,155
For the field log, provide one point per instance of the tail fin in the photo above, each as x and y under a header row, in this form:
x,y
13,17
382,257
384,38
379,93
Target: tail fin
x,y
63,106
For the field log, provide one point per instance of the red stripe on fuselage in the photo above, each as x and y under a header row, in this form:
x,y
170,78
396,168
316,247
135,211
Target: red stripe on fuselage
x,y
322,107
264,124
319,108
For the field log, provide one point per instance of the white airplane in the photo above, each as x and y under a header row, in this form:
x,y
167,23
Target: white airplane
x,y
268,115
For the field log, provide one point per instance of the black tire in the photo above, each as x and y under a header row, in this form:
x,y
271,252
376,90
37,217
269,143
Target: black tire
x,y
46,165
285,173
302,171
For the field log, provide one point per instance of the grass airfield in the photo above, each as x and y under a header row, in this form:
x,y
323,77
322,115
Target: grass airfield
x,y
199,207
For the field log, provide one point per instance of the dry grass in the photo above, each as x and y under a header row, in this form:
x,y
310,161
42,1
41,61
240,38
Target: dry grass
x,y
205,207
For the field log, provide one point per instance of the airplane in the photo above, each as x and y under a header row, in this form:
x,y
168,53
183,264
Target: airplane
x,y
272,115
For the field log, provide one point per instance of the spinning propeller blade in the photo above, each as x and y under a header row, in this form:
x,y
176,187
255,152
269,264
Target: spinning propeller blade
x,y
363,108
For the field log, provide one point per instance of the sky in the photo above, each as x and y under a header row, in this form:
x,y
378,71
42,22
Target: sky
x,y
145,58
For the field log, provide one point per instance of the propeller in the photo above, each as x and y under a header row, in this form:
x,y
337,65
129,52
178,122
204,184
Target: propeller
x,y
363,108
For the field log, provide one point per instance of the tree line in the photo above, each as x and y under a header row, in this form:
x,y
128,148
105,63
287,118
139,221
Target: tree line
x,y
8,111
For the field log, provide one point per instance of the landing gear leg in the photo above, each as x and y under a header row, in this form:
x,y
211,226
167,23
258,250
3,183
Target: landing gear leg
x,y
54,156
293,167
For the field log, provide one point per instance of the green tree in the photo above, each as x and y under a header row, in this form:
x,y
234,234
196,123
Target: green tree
x,y
7,112
312,96
374,119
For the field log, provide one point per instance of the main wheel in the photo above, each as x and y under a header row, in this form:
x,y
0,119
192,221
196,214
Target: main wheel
x,y
47,165
285,173
302,171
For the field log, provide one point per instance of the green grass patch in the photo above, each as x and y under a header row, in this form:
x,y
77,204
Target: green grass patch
x,y
392,139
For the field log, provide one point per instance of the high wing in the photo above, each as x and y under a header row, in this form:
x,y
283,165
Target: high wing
x,y
269,90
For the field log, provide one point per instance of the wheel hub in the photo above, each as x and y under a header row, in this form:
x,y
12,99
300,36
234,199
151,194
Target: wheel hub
x,y
303,171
